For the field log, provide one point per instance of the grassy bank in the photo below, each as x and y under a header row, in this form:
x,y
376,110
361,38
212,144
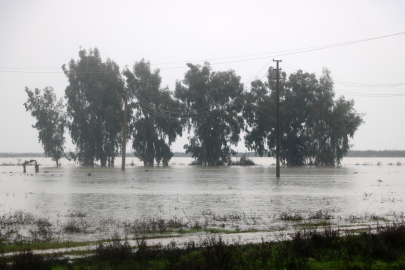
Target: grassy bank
x,y
306,248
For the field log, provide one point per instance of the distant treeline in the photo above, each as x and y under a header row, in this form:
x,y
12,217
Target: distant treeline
x,y
352,153
373,153
176,154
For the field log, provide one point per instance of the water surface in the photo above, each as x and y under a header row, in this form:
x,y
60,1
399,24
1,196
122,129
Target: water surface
x,y
195,192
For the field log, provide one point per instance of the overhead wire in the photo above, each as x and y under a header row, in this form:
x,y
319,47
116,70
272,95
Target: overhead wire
x,y
368,85
203,108
276,54
376,95
153,109
164,115
182,115
289,65
355,84
286,52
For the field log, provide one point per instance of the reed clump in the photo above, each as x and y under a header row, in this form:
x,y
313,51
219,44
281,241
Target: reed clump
x,y
243,161
289,215
320,214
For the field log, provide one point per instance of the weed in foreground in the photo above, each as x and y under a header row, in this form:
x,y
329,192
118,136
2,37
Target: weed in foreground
x,y
75,226
114,251
320,214
306,248
28,260
289,215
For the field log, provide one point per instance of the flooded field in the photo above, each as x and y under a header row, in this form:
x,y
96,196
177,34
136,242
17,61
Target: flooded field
x,y
99,201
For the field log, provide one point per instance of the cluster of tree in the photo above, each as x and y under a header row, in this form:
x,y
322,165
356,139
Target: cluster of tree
x,y
315,128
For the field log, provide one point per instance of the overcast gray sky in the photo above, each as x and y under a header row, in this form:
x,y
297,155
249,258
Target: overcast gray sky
x,y
41,36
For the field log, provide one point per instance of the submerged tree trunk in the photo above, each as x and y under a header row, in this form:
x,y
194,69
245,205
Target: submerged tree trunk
x,y
103,161
148,162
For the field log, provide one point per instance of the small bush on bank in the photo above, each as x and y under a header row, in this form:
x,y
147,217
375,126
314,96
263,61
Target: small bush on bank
x,y
243,161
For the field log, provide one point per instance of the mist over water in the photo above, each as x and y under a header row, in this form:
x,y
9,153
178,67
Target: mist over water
x,y
194,191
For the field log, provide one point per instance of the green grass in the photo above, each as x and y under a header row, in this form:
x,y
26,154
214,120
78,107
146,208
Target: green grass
x,y
314,224
309,248
44,246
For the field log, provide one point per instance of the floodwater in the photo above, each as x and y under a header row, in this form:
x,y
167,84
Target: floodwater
x,y
360,187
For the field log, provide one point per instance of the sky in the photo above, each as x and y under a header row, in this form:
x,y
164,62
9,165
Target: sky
x,y
38,37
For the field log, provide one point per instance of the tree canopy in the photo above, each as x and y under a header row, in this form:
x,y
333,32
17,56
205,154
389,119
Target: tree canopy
x,y
314,128
216,101
51,120
95,107
156,122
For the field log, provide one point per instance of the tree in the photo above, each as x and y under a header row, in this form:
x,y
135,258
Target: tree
x,y
214,100
299,95
95,106
314,128
259,113
334,121
51,120
157,121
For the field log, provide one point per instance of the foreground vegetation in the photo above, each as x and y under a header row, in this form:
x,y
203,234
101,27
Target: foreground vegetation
x,y
309,248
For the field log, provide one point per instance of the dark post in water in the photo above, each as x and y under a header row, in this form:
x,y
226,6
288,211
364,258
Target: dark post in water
x,y
124,135
278,123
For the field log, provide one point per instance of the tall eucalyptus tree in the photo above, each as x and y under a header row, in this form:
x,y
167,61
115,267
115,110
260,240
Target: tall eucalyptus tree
x,y
215,99
95,107
157,117
51,121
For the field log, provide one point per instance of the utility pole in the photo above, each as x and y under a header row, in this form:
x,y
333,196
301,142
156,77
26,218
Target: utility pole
x,y
278,122
124,134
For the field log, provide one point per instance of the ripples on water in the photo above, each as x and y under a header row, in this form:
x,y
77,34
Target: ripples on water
x,y
194,193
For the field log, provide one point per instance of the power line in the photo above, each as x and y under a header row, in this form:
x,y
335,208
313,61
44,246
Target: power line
x,y
377,95
368,85
352,84
181,115
274,54
310,49
369,95
164,115
197,110
154,110
28,68
320,47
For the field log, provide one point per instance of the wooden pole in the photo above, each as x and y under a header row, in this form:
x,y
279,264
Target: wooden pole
x,y
124,134
278,122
